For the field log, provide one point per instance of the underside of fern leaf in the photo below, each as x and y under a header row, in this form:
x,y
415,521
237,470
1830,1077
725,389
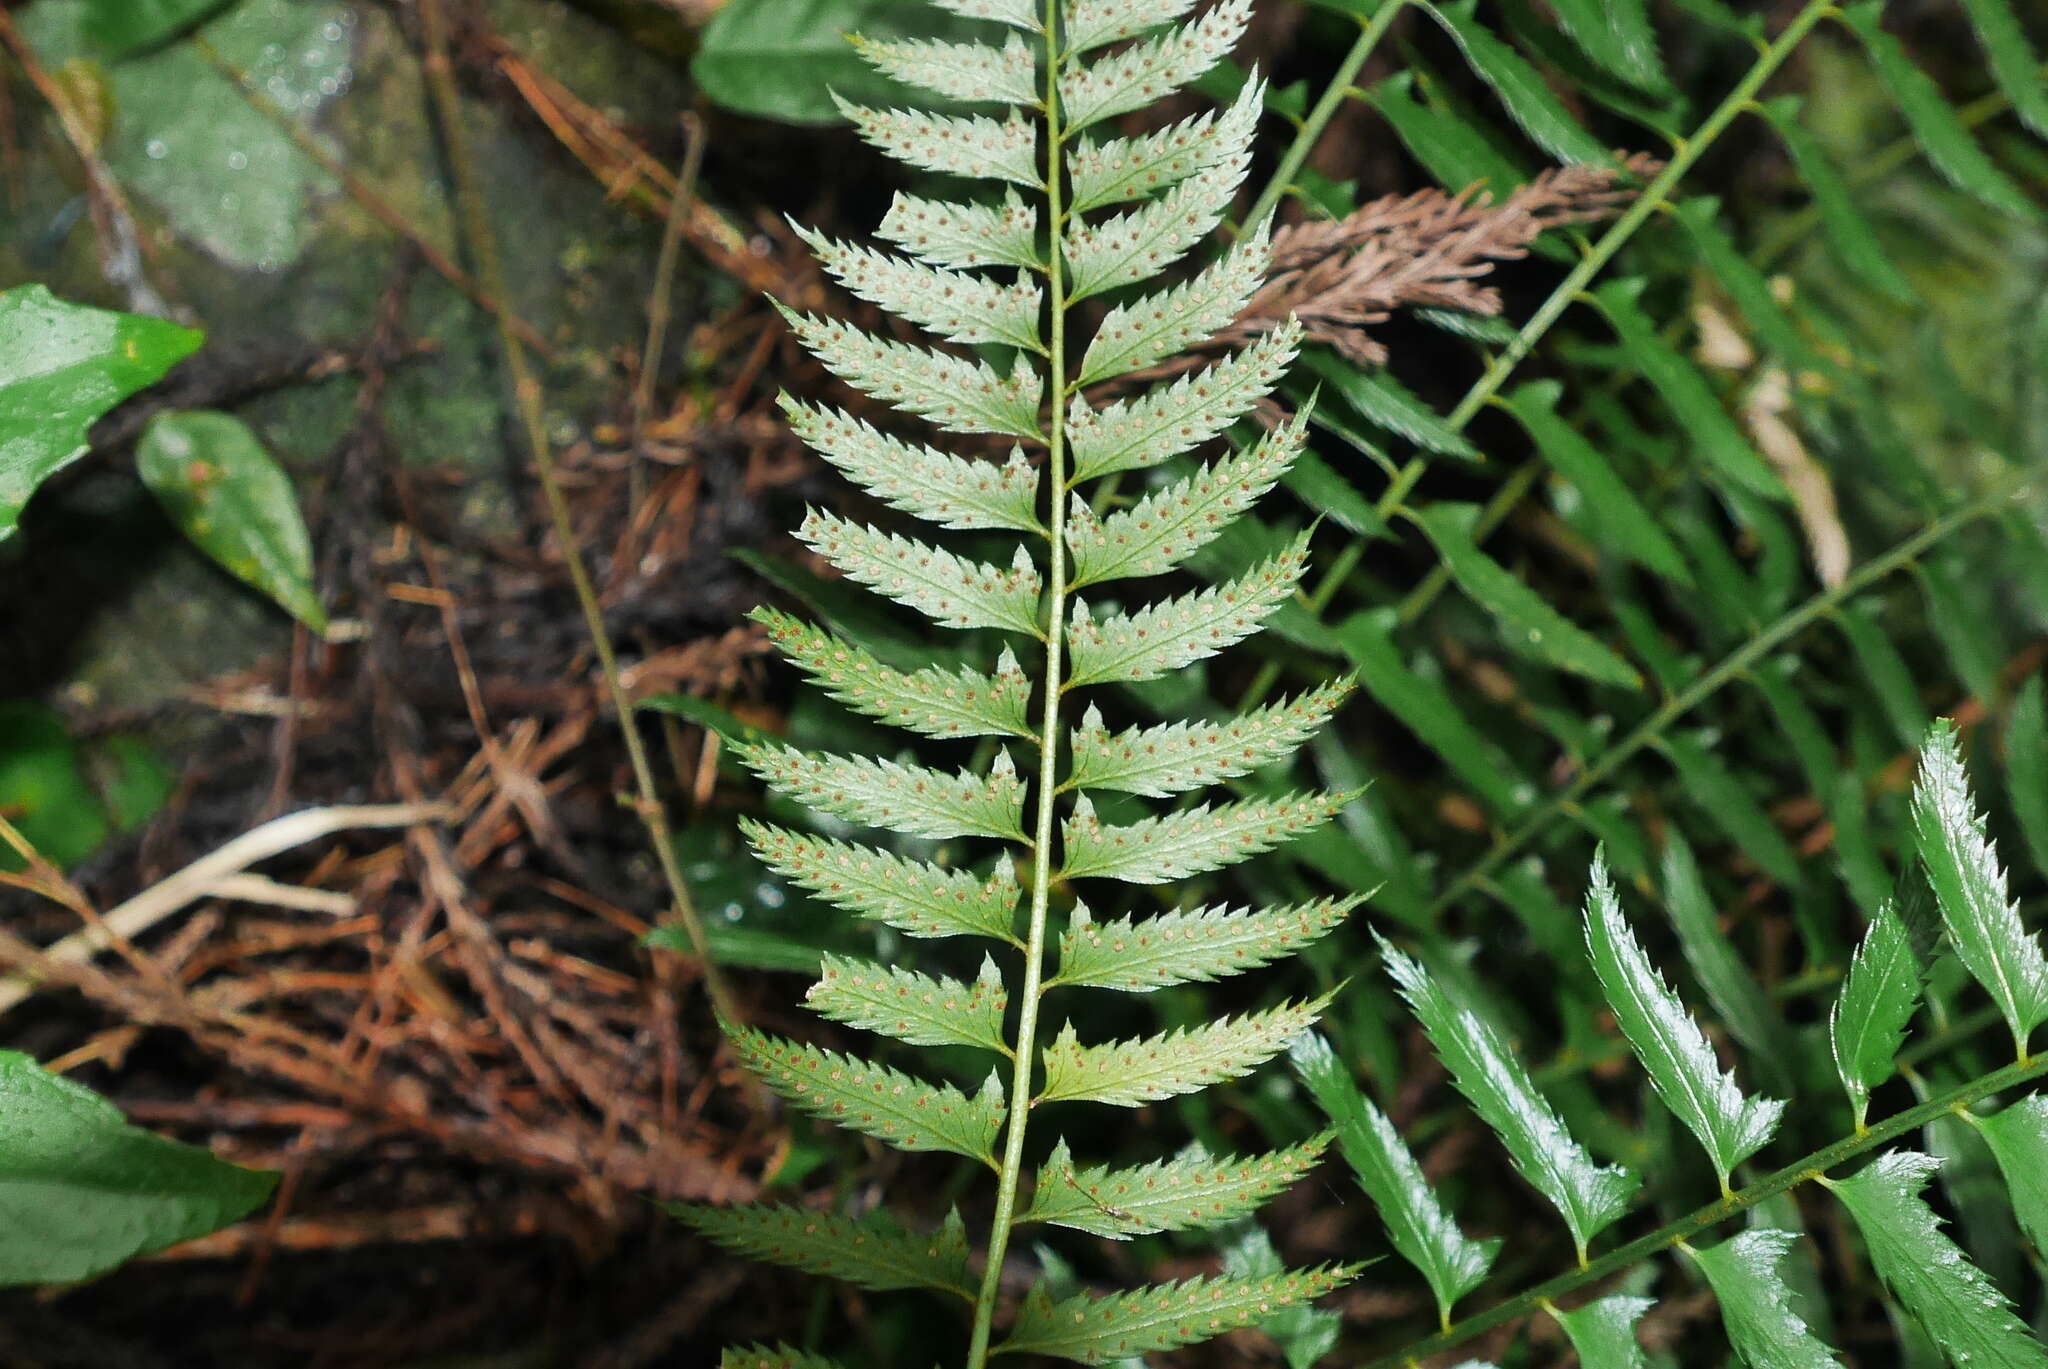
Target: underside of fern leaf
x,y
991,282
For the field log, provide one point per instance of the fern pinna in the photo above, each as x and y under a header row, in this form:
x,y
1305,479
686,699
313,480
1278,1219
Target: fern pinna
x,y
1080,215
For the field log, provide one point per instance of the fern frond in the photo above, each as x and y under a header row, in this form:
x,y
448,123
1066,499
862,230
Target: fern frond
x,y
1023,14
959,395
1745,1272
954,305
1172,758
907,1113
912,896
1138,956
1096,23
1604,1332
974,73
1136,334
1193,1191
934,701
1126,248
1192,841
1146,72
950,590
948,490
1120,169
973,145
917,1009
1170,419
964,235
1091,1329
773,1357
1147,1069
1878,996
870,1252
910,799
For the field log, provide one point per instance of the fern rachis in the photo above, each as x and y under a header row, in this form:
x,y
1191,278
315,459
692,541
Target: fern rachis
x,y
1114,213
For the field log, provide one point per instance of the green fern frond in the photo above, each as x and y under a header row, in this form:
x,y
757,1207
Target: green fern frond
x,y
1090,1329
1193,1191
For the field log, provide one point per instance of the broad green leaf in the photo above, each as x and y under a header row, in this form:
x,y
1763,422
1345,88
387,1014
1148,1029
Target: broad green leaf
x,y
772,1357
1427,709
910,799
1756,1302
1193,1191
868,1252
1878,996
62,366
1189,841
958,395
1962,1311
849,1092
1674,1051
1604,1332
956,305
1851,238
1733,808
1417,1223
1170,419
1969,888
950,590
1634,530
1737,997
1521,88
1936,127
2014,63
1145,72
1709,429
1168,525
1178,632
1148,1068
1092,1330
2018,1137
912,896
125,27
1589,1196
1528,625
234,502
785,59
973,73
2026,767
919,1009
1618,36
1136,334
1143,954
945,234
935,701
1093,23
81,1191
1173,758
951,491
1379,398
1120,169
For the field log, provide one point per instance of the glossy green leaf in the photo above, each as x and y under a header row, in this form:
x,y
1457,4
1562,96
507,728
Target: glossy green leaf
x,y
1969,888
1936,127
1528,625
1380,399
1499,1087
1521,88
81,1191
868,1252
1617,35
1676,1054
45,790
1878,997
1604,1332
228,495
2018,1137
2014,63
61,366
124,27
1418,1224
1962,1311
1746,1272
1094,1330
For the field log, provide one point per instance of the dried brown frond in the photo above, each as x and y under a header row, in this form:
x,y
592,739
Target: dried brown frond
x,y
1423,250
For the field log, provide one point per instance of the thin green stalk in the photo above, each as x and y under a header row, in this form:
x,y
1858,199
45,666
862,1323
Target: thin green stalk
x,y
1026,1043
1736,663
1814,1166
1338,91
526,392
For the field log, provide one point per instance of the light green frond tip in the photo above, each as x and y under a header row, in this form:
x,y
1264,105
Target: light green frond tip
x,y
1969,888
1418,1225
1877,1000
1589,1196
1138,955
1961,1310
1092,1330
1747,1277
1674,1051
1604,1332
1173,758
1192,841
870,1252
1194,1191
773,1357
1120,169
1149,1068
1143,73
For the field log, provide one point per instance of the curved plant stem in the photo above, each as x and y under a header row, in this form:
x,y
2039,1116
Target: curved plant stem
x,y
1736,663
1814,1166
526,392
1338,91
1026,1044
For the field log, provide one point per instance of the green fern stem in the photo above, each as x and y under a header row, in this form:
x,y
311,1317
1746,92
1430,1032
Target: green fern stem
x,y
1025,1044
1814,1166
